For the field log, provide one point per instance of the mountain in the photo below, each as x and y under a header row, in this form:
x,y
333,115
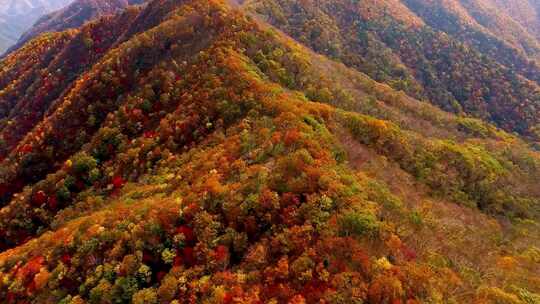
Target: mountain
x,y
429,49
204,151
21,7
16,16
524,12
481,20
73,16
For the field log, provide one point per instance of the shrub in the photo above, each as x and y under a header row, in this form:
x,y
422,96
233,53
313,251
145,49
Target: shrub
x,y
145,296
63,193
124,288
83,163
496,295
101,293
473,126
358,224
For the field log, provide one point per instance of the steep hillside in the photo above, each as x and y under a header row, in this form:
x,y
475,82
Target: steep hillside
x,y
184,152
73,16
483,25
17,16
525,12
455,66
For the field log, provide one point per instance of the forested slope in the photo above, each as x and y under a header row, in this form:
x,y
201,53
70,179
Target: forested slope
x,y
73,16
185,152
425,50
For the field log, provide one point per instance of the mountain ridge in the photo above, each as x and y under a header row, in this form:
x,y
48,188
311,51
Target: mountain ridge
x,y
185,152
73,15
426,63
16,16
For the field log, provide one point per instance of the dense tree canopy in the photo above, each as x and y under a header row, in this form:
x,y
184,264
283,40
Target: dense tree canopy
x,y
456,66
185,152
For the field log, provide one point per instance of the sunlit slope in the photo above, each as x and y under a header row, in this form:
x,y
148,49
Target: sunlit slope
x,y
202,156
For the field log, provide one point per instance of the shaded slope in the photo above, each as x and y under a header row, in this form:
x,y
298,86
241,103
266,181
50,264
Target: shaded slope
x,y
21,112
493,18
524,12
73,16
424,62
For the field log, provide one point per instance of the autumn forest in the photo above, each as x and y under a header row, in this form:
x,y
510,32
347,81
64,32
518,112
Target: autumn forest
x,y
273,151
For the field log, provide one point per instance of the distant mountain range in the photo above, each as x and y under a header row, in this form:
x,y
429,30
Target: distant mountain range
x,y
73,16
21,7
17,16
